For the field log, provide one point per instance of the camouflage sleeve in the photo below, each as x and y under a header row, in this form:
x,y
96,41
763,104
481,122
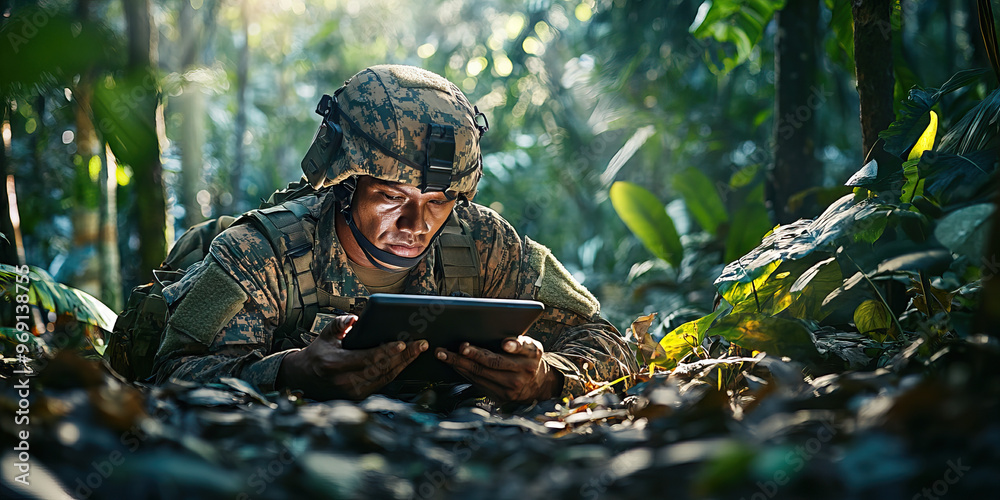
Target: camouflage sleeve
x,y
238,350
584,347
223,324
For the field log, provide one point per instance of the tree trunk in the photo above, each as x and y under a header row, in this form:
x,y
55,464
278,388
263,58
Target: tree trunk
x,y
192,104
873,67
241,111
87,194
150,206
110,260
797,100
8,249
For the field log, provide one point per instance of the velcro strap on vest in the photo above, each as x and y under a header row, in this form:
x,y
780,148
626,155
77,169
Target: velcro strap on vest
x,y
283,227
459,259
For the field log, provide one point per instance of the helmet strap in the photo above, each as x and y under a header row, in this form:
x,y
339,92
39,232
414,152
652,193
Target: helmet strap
x,y
375,254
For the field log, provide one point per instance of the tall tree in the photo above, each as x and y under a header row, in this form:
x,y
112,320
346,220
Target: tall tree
x,y
242,68
873,66
150,206
192,104
93,225
796,104
8,252
8,249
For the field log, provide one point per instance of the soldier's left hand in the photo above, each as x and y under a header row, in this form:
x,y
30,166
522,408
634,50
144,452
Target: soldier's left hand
x,y
516,373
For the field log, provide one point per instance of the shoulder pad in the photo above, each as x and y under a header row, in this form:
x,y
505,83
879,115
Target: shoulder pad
x,y
555,286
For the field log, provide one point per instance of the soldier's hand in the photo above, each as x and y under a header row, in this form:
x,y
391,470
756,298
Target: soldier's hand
x,y
325,370
516,373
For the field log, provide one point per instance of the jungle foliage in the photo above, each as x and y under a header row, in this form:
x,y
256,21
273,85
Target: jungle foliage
x,y
839,358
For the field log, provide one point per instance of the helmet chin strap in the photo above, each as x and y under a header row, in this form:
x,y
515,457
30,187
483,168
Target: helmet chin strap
x,y
375,254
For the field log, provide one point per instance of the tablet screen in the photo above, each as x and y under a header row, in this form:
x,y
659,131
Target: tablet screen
x,y
444,322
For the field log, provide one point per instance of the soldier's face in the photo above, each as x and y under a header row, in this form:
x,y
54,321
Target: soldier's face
x,y
395,217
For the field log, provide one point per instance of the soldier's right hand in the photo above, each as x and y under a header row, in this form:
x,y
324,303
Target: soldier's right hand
x,y
325,370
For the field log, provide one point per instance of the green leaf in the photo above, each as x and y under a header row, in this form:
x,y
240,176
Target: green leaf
x,y
811,288
737,22
932,261
952,179
745,288
842,24
49,52
683,339
50,295
977,130
873,319
750,223
965,231
871,232
914,185
647,218
703,201
743,176
125,114
912,120
913,116
835,227
775,336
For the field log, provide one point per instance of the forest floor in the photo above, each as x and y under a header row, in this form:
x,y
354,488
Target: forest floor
x,y
915,422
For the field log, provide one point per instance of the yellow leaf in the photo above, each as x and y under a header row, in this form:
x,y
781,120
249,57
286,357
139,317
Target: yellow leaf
x,y
873,319
926,140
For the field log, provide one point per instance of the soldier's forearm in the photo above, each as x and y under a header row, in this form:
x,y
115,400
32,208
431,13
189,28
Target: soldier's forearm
x,y
253,367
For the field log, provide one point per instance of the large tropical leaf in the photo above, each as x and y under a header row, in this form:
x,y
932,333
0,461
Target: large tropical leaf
x,y
738,22
977,130
838,225
965,231
682,340
701,198
750,223
56,311
842,25
648,220
914,115
775,336
954,178
874,319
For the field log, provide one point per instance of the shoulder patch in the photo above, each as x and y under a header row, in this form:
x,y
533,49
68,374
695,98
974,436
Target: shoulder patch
x,y
209,305
555,285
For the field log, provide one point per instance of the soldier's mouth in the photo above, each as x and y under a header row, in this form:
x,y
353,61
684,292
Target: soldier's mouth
x,y
406,250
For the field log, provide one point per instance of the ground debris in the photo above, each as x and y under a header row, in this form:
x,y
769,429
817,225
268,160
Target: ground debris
x,y
724,427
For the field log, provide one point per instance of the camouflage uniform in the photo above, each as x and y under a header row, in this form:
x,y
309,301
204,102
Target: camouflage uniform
x,y
399,124
578,343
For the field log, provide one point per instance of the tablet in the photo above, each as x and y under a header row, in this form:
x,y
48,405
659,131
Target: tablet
x,y
444,322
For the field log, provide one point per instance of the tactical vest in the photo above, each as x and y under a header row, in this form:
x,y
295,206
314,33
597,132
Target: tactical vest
x,y
139,330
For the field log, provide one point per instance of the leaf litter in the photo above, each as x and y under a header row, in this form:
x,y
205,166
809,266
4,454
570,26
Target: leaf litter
x,y
723,424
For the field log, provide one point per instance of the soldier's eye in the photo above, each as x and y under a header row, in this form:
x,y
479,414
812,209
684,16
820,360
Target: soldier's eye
x,y
392,197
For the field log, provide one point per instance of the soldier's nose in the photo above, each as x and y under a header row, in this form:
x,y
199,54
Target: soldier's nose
x,y
413,220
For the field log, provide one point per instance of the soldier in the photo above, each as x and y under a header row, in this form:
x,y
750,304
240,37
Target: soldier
x,y
397,162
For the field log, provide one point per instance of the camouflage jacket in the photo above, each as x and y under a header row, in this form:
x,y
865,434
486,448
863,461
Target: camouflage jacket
x,y
240,307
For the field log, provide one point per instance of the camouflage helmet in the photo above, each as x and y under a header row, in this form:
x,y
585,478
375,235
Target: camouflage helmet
x,y
403,124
